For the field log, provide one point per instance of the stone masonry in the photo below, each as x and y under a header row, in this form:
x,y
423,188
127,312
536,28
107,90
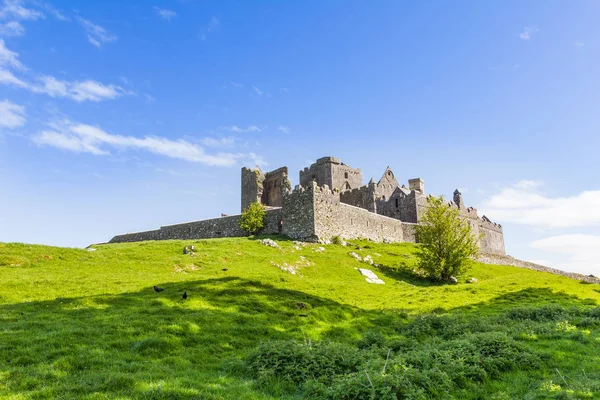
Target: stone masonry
x,y
331,200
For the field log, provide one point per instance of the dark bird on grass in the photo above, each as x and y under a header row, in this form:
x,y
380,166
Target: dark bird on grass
x,y
184,295
225,269
158,289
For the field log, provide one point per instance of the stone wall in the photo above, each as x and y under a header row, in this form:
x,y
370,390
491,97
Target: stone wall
x,y
209,228
333,218
508,260
492,237
298,212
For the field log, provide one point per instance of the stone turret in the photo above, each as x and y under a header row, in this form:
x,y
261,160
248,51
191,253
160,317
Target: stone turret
x,y
417,185
458,199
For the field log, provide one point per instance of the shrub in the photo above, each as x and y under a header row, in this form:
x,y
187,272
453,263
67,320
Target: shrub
x,y
298,362
253,218
336,240
545,313
447,243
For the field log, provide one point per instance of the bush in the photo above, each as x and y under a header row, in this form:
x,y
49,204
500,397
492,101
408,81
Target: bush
x,y
377,368
545,313
298,362
447,243
336,240
253,218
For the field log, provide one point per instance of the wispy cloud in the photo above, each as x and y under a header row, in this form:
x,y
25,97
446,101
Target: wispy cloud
x,y
283,129
525,204
210,27
96,34
88,90
218,142
257,91
7,78
165,14
15,9
236,85
83,138
528,31
578,44
8,57
51,10
12,115
12,28
237,129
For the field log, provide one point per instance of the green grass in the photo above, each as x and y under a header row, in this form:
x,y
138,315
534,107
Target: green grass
x,y
80,324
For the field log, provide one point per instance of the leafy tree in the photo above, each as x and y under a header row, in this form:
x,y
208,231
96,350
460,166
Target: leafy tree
x,y
448,245
253,218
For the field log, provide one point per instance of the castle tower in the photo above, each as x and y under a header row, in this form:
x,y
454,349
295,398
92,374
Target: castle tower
x,y
332,172
252,186
458,199
417,185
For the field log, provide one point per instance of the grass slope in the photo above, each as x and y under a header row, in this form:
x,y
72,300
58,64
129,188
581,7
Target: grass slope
x,y
81,324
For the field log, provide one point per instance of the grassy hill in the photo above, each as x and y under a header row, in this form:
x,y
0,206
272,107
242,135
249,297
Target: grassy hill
x,y
87,324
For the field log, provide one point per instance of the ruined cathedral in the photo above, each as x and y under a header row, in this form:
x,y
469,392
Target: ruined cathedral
x,y
330,200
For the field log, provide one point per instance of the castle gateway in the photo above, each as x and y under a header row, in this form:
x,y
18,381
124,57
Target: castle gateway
x,y
331,200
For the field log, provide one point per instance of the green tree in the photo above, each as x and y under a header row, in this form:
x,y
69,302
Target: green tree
x,y
447,243
253,218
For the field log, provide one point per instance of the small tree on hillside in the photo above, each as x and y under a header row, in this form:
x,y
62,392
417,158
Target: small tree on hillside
x,y
448,245
253,218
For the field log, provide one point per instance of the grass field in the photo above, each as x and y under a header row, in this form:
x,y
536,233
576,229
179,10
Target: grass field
x,y
87,324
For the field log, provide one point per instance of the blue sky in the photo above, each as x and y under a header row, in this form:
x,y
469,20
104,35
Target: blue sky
x,y
120,116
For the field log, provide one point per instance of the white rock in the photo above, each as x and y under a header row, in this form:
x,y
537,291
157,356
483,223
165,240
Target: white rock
x,y
91,249
370,276
269,242
473,280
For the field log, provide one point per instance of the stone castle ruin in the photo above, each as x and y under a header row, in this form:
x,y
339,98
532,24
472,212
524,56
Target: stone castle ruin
x,y
330,200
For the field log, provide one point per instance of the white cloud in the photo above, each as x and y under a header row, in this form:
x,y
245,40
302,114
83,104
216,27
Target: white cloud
x,y
283,129
12,28
527,32
57,14
237,85
82,138
165,14
15,9
581,252
578,44
524,204
7,78
257,90
8,57
12,115
528,184
218,142
211,26
79,91
88,90
96,34
237,129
